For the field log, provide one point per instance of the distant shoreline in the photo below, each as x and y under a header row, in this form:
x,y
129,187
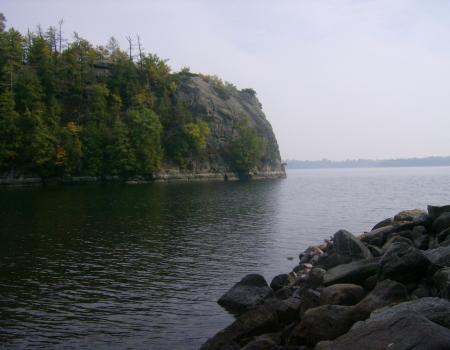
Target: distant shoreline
x,y
368,163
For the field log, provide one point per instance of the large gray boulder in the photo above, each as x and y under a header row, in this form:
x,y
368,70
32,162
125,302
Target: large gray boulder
x,y
434,211
346,244
403,263
341,294
355,272
439,256
436,310
377,237
260,320
328,322
405,330
252,290
441,223
441,280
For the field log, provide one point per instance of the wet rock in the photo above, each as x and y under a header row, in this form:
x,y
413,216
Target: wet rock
x,y
260,320
403,263
356,272
414,215
281,281
346,244
309,253
252,290
441,280
404,330
341,294
383,223
435,211
441,223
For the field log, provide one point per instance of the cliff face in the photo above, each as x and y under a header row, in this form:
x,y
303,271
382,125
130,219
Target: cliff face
x,y
224,108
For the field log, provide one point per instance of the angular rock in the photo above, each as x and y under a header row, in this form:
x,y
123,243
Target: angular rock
x,y
259,320
414,215
404,330
441,280
342,294
441,223
281,281
439,256
435,211
436,310
346,244
403,263
252,290
356,272
385,293
383,223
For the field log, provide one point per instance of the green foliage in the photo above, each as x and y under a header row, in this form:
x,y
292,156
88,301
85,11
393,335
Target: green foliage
x,y
84,110
246,149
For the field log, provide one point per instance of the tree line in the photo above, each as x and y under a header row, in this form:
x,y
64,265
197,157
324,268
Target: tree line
x,y
74,109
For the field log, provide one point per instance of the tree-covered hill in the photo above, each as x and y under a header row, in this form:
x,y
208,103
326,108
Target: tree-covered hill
x,y
72,109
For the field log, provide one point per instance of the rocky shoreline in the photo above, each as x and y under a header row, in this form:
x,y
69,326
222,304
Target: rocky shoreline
x,y
164,176
385,289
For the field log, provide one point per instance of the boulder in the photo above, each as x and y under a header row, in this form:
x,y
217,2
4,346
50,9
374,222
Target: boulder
x,y
414,215
435,211
394,239
355,272
403,263
325,322
260,320
439,256
383,223
346,244
263,342
341,294
405,330
281,281
309,299
316,276
328,322
419,237
385,293
252,290
443,235
436,310
441,280
309,253
377,237
287,310
441,223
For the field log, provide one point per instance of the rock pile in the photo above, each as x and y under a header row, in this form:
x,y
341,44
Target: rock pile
x,y
386,289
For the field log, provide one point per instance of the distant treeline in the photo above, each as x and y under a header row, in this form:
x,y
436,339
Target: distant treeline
x,y
367,163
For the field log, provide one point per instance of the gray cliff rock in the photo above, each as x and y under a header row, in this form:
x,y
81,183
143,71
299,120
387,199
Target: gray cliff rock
x,y
224,108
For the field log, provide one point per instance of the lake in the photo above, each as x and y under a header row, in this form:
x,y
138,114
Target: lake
x,y
141,267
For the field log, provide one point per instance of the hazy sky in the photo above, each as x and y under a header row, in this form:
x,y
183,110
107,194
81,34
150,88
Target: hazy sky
x,y
337,79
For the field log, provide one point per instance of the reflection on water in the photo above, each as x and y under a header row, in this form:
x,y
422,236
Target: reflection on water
x,y
142,266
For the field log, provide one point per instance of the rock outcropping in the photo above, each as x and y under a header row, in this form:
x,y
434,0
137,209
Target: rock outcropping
x,y
224,108
386,289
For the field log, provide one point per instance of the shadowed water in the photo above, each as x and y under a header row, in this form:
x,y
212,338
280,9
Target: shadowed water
x,y
141,267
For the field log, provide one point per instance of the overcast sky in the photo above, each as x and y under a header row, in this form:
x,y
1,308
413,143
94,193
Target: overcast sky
x,y
337,79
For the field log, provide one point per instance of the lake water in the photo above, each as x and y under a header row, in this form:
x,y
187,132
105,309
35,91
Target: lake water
x,y
141,267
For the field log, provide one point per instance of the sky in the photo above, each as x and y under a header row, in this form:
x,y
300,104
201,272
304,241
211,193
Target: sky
x,y
338,79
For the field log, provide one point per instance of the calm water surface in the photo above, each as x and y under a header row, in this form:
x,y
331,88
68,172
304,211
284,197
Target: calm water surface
x,y
141,267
